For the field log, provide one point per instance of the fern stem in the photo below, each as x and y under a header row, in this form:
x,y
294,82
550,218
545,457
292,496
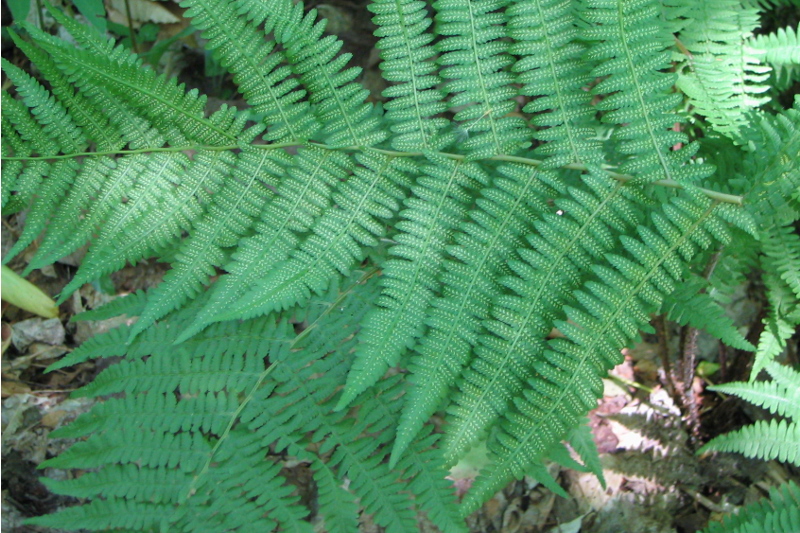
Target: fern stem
x,y
713,195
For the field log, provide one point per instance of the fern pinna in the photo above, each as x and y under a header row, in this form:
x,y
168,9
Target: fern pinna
x,y
537,164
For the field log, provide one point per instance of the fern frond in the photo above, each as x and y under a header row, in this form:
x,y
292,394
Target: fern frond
x,y
177,114
763,440
778,513
482,248
781,322
407,54
782,52
782,248
440,201
631,50
102,515
555,263
772,182
691,304
544,34
87,116
781,398
567,380
25,138
474,58
58,126
137,228
53,118
723,75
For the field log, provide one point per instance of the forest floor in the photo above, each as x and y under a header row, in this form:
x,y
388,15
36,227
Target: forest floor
x,y
654,480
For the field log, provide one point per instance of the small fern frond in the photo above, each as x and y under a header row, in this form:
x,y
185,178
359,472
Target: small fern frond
x,y
474,61
554,75
782,321
782,52
773,200
782,248
776,439
723,75
690,304
778,513
414,99
780,396
631,51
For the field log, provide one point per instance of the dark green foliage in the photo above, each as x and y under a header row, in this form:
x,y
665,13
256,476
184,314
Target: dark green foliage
x,y
382,264
777,514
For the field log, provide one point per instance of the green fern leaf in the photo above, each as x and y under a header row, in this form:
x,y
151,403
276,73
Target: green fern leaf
x,y
301,198
690,304
782,52
567,378
415,99
632,50
553,73
777,514
764,440
338,239
723,75
474,60
483,247
553,266
439,202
